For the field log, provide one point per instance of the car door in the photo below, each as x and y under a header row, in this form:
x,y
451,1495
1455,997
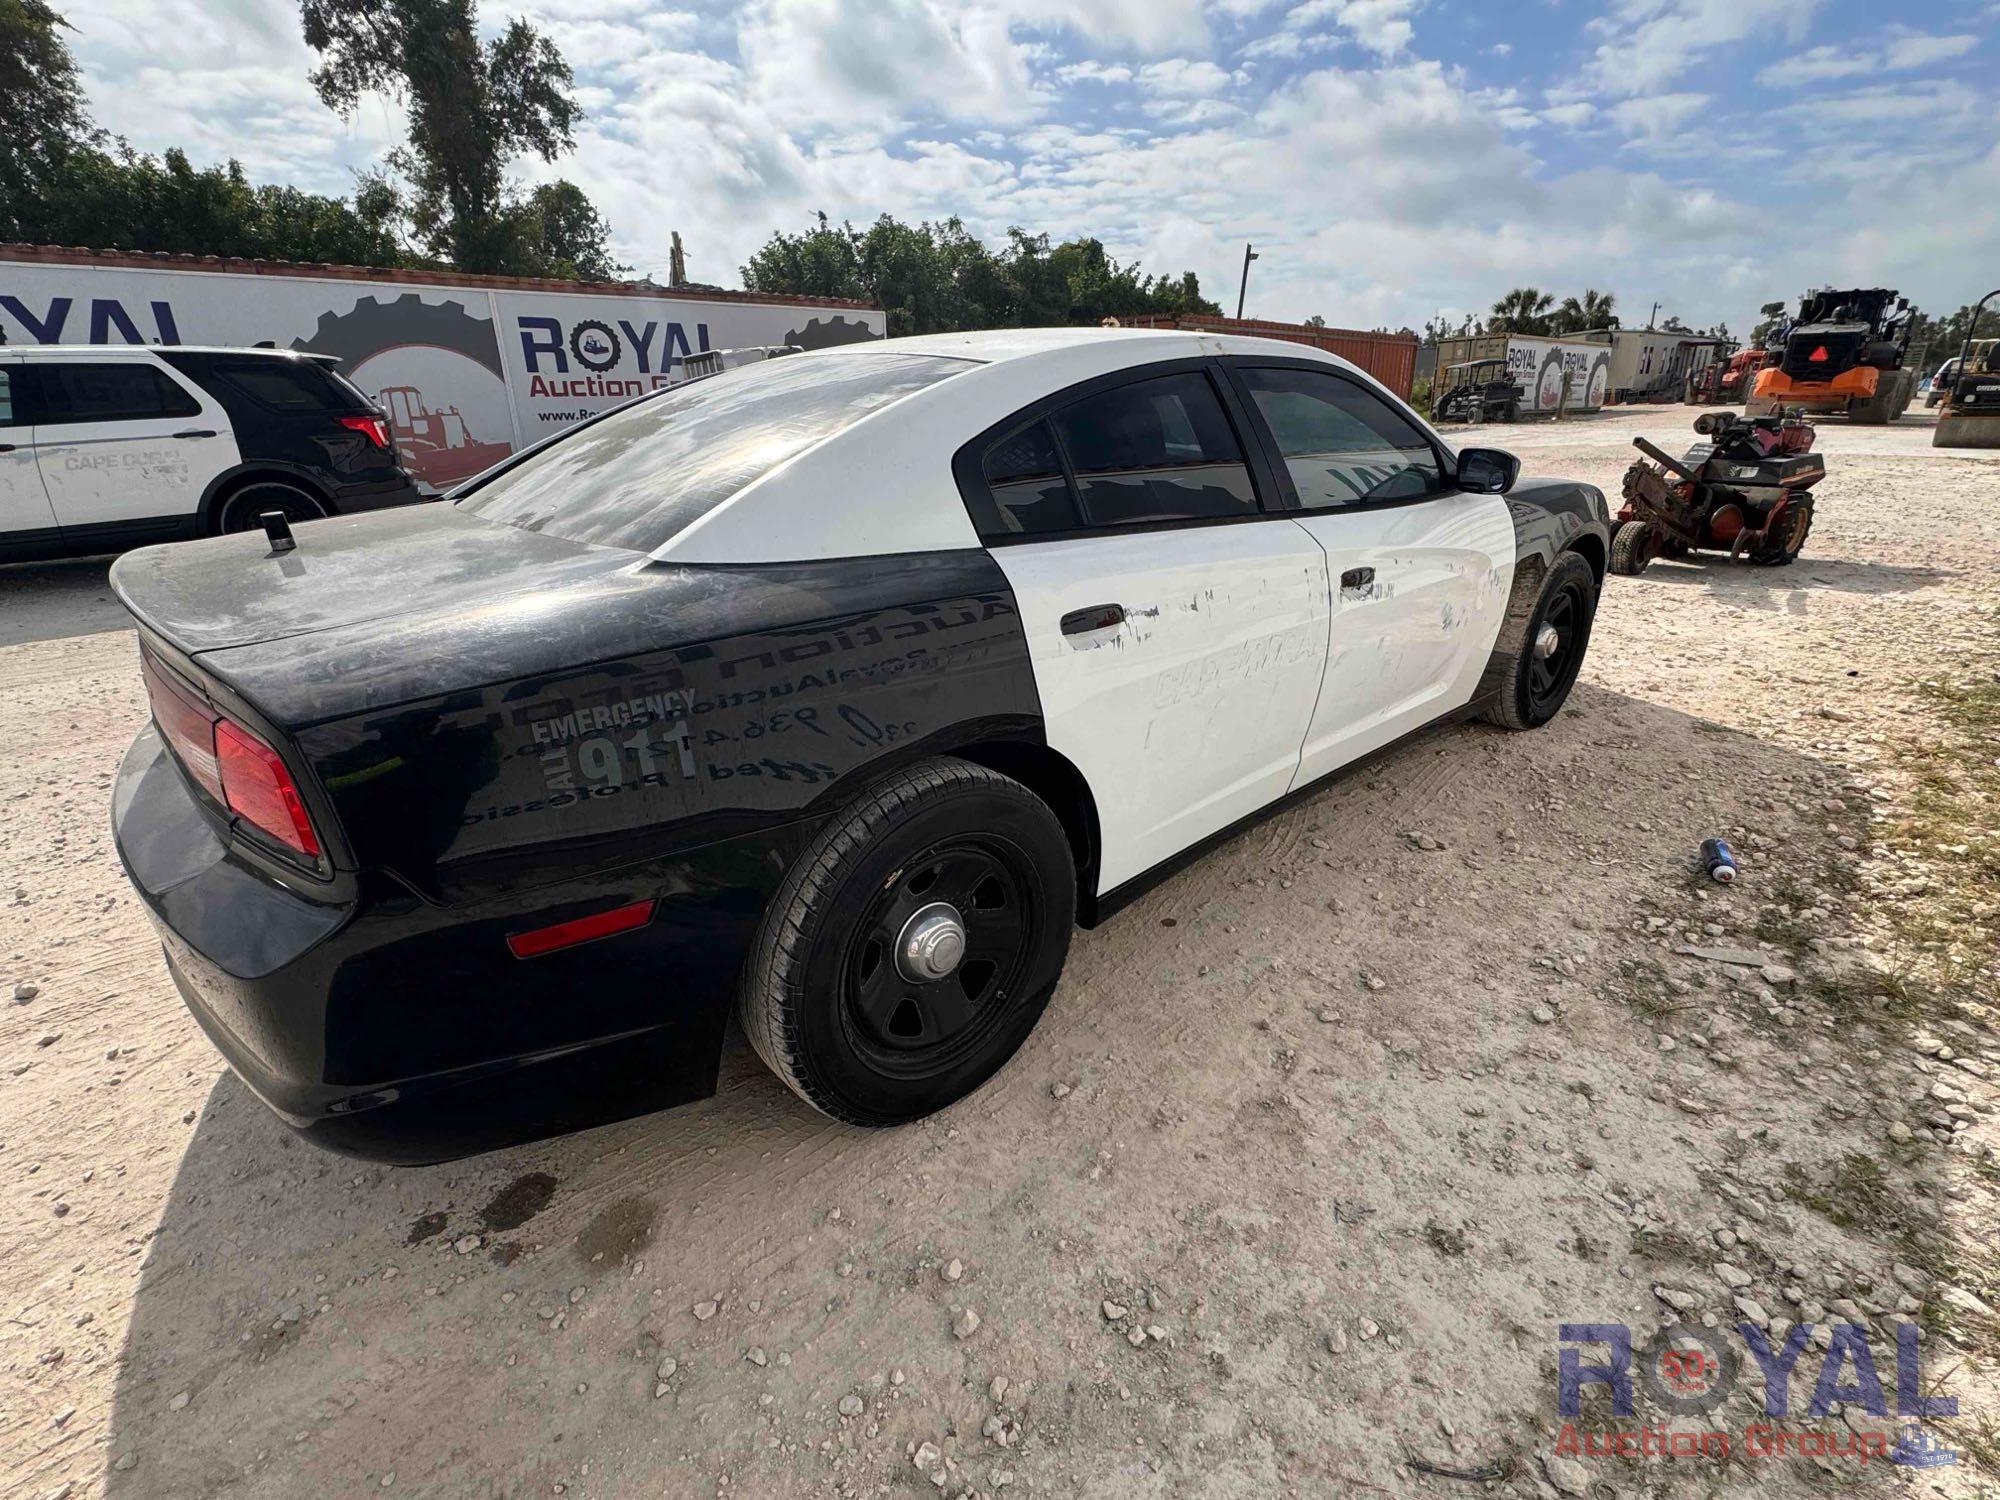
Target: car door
x,y
124,443
26,517
1418,570
1175,618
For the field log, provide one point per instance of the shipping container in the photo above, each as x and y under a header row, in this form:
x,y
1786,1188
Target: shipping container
x,y
467,368
1390,357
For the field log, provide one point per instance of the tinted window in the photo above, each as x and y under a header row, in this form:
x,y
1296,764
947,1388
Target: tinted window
x,y
6,397
1156,450
636,477
1030,493
109,393
1342,443
281,384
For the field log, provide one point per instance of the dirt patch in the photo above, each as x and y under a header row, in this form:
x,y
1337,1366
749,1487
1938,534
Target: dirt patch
x,y
518,1202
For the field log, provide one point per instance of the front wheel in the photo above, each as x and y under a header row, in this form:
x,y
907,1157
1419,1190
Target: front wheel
x,y
1538,679
914,945
1633,545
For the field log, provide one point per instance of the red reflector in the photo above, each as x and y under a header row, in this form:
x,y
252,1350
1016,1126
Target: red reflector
x,y
1818,356
258,788
185,723
568,934
371,428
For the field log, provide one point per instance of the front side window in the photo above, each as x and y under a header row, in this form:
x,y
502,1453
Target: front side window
x,y
110,392
1343,444
1155,450
635,478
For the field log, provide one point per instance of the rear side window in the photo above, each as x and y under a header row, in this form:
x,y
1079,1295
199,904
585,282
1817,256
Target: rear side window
x,y
7,417
635,478
1343,444
1155,450
109,392
281,384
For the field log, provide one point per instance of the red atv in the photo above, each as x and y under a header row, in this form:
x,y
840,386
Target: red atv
x,y
1745,491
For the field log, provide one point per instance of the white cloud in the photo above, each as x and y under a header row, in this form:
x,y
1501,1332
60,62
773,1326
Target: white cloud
x,y
1183,77
1655,117
1382,26
1903,51
1648,44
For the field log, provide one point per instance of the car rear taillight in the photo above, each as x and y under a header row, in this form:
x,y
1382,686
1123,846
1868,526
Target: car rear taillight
x,y
372,428
257,787
186,724
231,763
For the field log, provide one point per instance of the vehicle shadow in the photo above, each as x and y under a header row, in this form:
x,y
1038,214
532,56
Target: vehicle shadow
x,y
305,1324
54,601
1744,584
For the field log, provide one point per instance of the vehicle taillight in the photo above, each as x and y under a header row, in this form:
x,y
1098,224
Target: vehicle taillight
x,y
232,765
257,787
372,428
186,724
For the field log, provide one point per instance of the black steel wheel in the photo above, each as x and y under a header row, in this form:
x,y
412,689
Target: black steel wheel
x,y
241,510
914,944
944,942
1544,667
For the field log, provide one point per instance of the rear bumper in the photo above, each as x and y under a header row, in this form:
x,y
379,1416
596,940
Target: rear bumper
x,y
352,499
387,1027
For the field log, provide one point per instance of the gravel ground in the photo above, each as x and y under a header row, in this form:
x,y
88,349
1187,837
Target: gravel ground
x,y
1315,1149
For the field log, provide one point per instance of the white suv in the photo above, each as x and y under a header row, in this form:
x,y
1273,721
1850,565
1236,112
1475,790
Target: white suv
x,y
106,447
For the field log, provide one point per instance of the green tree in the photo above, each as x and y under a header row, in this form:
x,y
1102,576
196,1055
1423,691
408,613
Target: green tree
x,y
474,107
45,118
1769,316
939,277
1523,310
1594,309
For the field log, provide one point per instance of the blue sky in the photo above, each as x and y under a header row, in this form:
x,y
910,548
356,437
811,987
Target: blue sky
x,y
1390,158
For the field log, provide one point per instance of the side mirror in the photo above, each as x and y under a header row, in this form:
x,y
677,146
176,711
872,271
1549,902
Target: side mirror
x,y
1487,471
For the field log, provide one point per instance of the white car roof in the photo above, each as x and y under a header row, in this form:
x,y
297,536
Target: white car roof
x,y
98,351
884,484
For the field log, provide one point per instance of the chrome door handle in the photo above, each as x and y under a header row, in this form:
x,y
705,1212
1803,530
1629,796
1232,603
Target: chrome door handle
x,y
196,432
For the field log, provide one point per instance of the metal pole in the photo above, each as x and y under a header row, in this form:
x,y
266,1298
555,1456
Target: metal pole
x,y
1971,327
1243,287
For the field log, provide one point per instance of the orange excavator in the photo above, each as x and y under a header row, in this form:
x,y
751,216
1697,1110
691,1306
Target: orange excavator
x,y
1846,351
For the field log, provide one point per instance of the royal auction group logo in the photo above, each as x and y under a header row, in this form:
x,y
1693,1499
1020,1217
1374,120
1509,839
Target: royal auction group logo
x,y
1688,1372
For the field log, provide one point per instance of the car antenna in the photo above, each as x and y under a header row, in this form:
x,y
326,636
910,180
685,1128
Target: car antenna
x,y
279,531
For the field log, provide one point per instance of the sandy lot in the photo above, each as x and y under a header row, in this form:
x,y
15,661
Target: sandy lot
x,y
1317,1146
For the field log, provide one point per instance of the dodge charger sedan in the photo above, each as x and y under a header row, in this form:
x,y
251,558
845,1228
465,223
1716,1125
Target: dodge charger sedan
x,y
834,691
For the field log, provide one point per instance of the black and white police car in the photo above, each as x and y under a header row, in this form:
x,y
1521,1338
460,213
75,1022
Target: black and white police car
x,y
835,689
108,447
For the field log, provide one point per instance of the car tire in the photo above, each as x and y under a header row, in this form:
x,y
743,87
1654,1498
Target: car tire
x,y
828,998
1632,547
239,512
1536,684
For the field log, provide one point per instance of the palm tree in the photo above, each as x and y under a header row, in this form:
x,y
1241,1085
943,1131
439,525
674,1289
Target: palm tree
x,y
1592,310
1523,310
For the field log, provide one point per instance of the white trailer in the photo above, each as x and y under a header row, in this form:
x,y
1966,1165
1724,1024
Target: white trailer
x,y
467,368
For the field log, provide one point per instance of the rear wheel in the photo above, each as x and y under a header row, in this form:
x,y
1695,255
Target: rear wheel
x,y
241,510
914,945
1538,679
1632,547
1793,528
